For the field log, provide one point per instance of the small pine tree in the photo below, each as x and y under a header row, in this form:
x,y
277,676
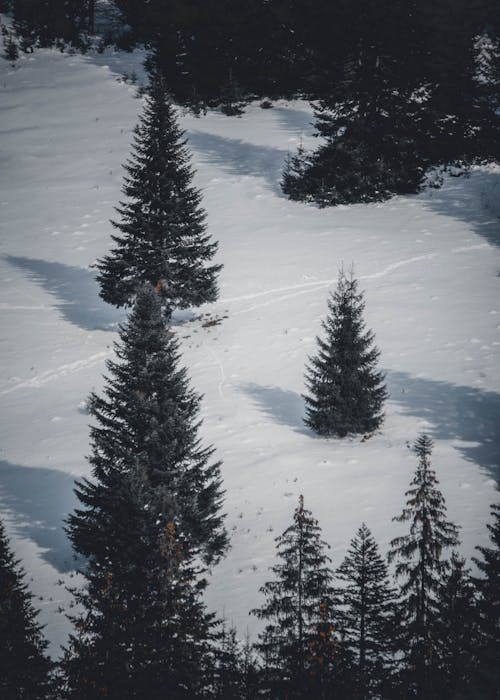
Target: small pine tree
x,y
422,568
346,392
367,608
163,239
299,613
487,677
25,670
148,417
229,666
294,183
456,631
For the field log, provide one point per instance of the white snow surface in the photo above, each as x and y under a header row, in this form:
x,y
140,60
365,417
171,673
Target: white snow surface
x,y
429,265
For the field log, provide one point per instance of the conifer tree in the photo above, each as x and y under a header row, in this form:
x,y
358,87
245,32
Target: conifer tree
x,y
367,609
162,231
420,565
456,631
25,669
147,419
346,391
142,630
299,647
487,677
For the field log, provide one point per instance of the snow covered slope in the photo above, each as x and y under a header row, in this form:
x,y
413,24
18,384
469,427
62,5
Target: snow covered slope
x,y
429,265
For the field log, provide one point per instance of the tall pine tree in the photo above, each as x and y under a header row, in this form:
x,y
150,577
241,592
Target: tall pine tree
x,y
366,604
162,232
487,677
299,646
147,419
346,391
25,669
142,629
420,565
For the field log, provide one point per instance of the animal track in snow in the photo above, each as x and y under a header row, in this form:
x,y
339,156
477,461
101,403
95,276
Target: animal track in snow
x,y
62,371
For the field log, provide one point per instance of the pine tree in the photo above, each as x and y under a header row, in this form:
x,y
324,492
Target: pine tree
x,y
456,631
142,629
299,647
229,671
25,669
163,239
487,677
422,568
147,419
346,392
367,607
369,118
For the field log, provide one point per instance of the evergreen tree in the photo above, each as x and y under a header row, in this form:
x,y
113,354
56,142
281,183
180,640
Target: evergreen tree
x,y
299,647
163,239
422,568
147,418
369,118
367,608
25,670
487,678
456,632
346,392
230,662
48,22
142,630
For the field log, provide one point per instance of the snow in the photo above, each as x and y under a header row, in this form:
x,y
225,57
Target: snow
x,y
429,265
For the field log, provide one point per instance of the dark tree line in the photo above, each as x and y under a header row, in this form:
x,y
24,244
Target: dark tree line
x,y
399,87
354,632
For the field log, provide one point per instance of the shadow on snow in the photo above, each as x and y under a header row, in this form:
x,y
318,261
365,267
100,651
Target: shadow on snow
x,y
76,290
241,158
455,412
281,405
474,199
38,501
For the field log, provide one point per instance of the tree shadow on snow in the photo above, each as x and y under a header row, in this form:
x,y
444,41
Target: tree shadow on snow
x,y
241,158
38,500
76,290
281,405
297,121
474,199
455,412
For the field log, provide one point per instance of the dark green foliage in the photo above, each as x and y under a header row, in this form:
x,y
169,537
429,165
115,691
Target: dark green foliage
x,y
148,516
235,668
299,646
143,630
25,670
456,632
420,565
163,239
487,677
147,419
367,608
48,22
346,392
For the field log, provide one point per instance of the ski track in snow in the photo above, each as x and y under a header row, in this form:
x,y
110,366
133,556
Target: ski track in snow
x,y
53,374
307,287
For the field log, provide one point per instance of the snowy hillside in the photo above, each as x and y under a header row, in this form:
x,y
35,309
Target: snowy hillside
x,y
429,265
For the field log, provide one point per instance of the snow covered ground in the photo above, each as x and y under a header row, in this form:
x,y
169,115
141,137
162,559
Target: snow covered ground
x,y
429,265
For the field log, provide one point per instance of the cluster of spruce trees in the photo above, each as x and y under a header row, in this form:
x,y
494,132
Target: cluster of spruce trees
x,y
431,632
